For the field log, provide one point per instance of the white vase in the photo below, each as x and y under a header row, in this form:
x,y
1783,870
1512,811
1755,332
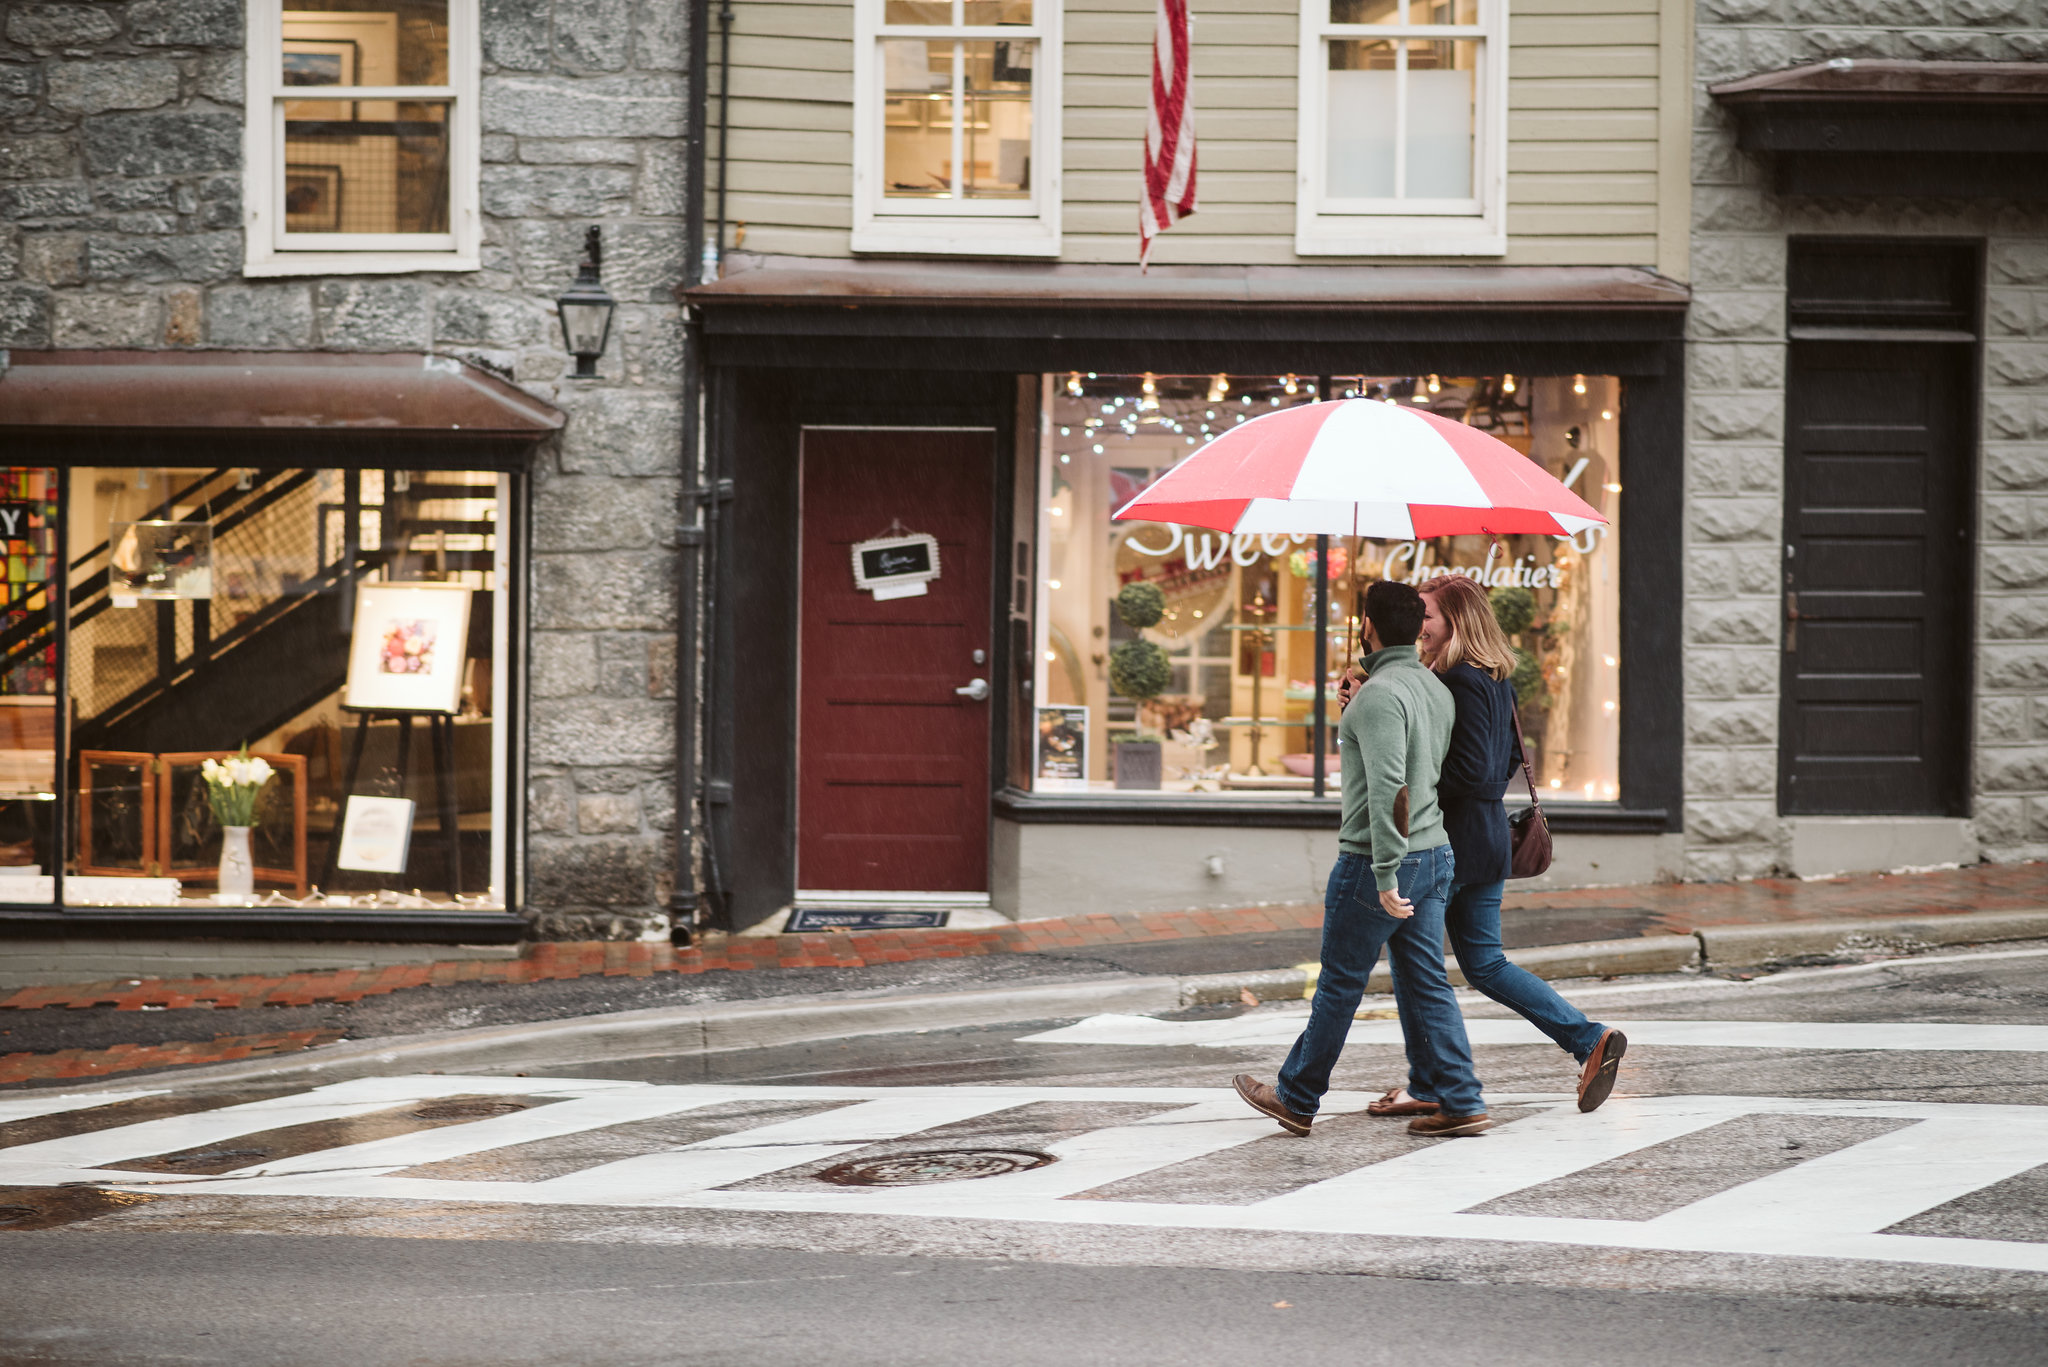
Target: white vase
x,y
237,871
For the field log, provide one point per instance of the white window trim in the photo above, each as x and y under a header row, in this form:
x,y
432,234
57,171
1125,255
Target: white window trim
x,y
1001,228
1378,227
266,252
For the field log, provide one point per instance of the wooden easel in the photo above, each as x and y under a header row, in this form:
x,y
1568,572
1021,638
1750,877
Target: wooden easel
x,y
441,726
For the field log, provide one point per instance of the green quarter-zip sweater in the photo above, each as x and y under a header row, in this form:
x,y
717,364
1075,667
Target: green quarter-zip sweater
x,y
1392,740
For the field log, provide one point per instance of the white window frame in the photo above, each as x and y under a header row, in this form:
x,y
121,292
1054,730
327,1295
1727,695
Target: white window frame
x,y
269,250
963,227
1325,226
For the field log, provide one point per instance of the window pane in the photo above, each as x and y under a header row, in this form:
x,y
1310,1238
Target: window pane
x,y
998,11
28,684
1361,120
183,646
365,42
1238,631
918,12
366,166
1364,12
918,120
998,143
1443,11
1440,116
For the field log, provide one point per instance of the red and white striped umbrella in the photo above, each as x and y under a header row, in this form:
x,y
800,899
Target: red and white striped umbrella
x,y
1361,467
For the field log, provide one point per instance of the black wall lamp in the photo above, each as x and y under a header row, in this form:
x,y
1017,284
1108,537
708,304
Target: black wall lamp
x,y
587,310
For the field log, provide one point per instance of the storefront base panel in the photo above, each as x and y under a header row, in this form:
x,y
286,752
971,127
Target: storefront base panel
x,y
1824,845
31,963
1044,869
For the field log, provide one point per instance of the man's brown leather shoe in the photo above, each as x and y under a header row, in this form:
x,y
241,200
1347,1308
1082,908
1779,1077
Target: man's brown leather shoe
x,y
1261,1097
1391,1105
1596,1079
1449,1126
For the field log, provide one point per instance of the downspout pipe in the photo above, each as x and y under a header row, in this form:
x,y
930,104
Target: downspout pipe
x,y
684,900
715,254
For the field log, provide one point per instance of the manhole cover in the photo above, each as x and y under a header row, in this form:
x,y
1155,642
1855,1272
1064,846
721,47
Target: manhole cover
x,y
14,1215
920,1169
468,1110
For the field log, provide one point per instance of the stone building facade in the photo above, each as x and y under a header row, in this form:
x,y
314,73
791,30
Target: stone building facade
x,y
121,213
1735,461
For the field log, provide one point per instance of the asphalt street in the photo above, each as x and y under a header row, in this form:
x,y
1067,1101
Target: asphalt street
x,y
1837,1164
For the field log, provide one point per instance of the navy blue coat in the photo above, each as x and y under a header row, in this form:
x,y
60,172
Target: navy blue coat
x,y
1483,757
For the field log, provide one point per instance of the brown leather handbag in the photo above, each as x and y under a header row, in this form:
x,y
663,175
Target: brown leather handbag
x,y
1528,830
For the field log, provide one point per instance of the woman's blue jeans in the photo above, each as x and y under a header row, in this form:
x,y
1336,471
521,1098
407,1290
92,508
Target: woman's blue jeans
x,y
1355,927
1472,916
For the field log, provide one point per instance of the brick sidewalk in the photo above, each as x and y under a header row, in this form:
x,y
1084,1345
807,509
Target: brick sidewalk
x,y
1668,908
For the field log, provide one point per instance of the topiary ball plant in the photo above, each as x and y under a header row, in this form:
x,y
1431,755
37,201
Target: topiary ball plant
x,y
1513,608
1140,605
1139,670
1527,678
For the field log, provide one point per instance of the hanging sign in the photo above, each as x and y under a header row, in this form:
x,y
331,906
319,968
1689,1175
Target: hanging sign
x,y
896,566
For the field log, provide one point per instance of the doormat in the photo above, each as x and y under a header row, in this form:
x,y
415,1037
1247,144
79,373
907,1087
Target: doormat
x,y
816,919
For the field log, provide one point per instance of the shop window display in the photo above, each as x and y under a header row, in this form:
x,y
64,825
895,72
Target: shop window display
x,y
342,625
1236,622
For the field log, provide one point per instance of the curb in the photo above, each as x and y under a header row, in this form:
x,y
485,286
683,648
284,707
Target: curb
x,y
723,1026
1756,945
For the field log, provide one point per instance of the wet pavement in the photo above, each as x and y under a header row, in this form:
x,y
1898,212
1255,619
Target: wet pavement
x,y
1792,1170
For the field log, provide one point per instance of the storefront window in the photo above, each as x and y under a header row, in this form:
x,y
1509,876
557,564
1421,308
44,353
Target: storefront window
x,y
343,625
1236,614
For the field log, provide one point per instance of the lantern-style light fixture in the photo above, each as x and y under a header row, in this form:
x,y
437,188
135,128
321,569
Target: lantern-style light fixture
x,y
586,310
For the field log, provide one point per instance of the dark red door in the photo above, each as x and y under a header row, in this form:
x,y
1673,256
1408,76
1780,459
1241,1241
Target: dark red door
x,y
892,790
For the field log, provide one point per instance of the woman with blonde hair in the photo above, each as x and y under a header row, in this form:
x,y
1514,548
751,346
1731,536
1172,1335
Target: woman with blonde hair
x,y
1462,641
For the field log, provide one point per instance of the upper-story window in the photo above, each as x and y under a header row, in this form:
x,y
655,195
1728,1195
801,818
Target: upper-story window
x,y
956,111
362,146
1403,127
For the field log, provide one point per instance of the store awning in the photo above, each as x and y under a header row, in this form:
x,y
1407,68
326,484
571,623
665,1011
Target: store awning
x,y
797,312
1883,127
248,392
809,280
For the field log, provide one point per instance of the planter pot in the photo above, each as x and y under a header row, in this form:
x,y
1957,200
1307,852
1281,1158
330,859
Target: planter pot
x,y
1138,764
237,870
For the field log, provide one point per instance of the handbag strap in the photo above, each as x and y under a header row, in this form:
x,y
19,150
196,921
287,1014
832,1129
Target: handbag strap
x,y
1515,711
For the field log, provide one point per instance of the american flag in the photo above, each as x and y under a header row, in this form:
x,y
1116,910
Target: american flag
x,y
1169,131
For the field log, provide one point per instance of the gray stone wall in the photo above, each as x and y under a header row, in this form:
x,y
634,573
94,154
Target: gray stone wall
x,y
120,206
1735,452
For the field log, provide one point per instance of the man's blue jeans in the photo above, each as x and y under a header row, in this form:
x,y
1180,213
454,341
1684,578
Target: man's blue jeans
x,y
1355,927
1472,916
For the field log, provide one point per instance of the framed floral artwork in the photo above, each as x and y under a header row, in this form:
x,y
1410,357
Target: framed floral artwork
x,y
408,648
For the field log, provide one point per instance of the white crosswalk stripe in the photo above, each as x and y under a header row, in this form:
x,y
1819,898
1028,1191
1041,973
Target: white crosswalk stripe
x,y
1280,1028
1831,1206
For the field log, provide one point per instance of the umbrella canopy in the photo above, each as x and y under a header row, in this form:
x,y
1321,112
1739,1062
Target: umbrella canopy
x,y
1361,467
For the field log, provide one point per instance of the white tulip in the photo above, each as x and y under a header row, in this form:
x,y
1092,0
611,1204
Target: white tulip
x,y
260,770
210,770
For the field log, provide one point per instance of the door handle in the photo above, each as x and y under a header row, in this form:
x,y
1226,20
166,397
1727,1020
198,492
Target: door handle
x,y
976,689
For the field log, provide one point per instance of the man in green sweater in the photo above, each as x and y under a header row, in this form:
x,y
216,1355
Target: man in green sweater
x,y
1388,888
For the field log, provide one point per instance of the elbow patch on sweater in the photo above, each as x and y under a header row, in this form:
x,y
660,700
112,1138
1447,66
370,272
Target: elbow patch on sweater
x,y
1401,811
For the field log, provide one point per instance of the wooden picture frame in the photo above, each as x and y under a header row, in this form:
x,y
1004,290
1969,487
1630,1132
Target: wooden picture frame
x,y
320,63
185,819
95,849
312,198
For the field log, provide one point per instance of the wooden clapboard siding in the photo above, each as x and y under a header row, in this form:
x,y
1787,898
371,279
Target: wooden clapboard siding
x,y
1596,153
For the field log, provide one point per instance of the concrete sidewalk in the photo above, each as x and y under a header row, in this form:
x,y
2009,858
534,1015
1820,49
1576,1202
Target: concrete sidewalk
x,y
97,1029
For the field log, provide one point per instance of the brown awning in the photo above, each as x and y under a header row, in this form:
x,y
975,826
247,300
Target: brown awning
x,y
808,280
247,392
1950,130
1849,80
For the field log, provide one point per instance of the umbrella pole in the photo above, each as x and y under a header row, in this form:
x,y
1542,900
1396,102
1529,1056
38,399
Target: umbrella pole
x,y
1322,721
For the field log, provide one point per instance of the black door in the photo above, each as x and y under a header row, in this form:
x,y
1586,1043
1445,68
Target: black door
x,y
1877,603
